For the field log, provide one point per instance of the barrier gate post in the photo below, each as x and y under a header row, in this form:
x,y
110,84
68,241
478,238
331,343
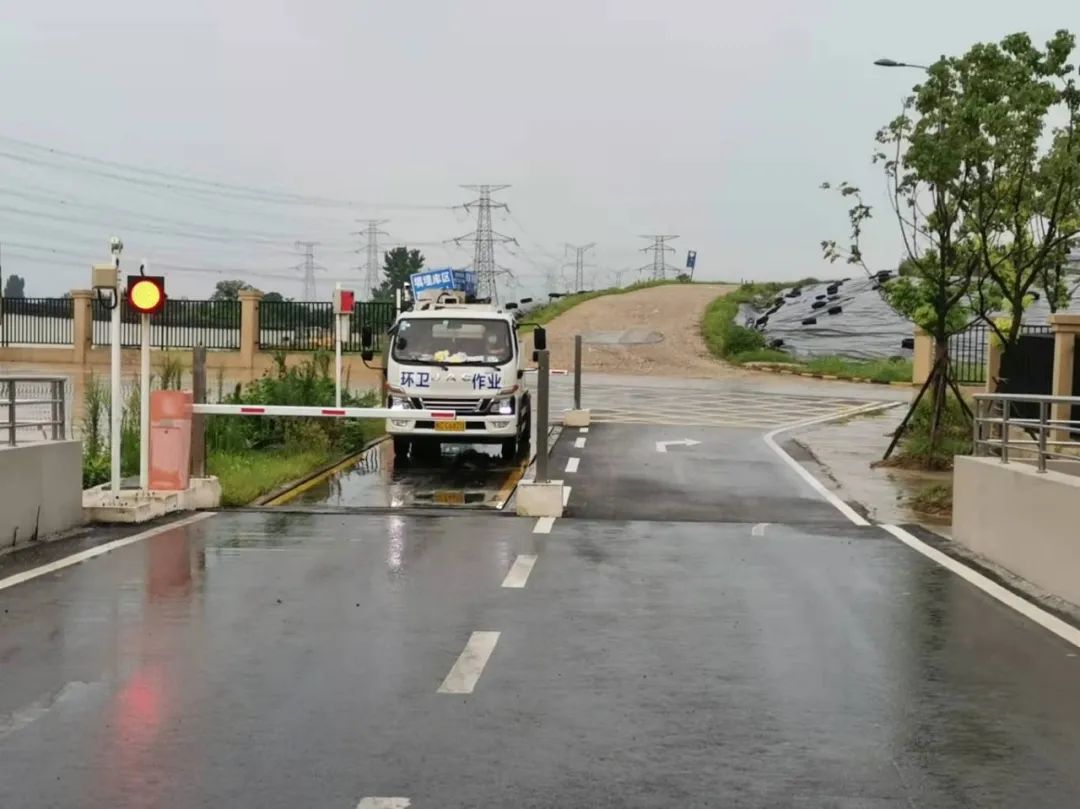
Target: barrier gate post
x,y
542,387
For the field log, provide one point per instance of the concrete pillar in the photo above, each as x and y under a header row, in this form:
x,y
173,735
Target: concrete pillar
x,y
1065,328
249,325
83,324
993,360
923,359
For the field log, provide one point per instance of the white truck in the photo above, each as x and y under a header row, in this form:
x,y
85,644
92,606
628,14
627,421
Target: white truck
x,y
451,355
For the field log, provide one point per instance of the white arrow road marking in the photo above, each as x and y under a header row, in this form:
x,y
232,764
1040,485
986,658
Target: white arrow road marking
x,y
661,446
759,529
470,664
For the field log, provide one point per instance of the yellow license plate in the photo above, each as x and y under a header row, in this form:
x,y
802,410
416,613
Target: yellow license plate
x,y
450,498
449,426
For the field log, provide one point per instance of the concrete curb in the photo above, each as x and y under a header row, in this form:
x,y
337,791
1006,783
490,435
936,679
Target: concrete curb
x,y
315,476
828,377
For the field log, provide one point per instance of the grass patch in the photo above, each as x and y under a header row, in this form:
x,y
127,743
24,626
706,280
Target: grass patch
x,y
935,499
247,474
729,341
914,450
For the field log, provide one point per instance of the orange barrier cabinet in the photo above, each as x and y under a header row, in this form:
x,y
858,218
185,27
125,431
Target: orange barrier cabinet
x,y
170,440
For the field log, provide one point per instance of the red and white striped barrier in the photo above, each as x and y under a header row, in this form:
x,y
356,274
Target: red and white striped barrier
x,y
552,371
339,412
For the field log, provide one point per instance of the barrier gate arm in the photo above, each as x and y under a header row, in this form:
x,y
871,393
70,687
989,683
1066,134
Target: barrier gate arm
x,y
341,412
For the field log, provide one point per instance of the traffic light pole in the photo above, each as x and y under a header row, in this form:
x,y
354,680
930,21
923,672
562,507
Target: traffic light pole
x,y
144,406
114,381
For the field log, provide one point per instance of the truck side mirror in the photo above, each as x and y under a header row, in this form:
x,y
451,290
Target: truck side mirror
x,y
367,344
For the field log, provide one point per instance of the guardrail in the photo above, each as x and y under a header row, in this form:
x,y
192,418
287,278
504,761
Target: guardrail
x,y
998,414
17,394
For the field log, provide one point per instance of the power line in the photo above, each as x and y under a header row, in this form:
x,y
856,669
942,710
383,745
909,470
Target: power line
x,y
174,181
484,240
659,250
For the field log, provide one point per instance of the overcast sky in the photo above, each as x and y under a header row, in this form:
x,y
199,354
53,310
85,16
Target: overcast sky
x,y
716,121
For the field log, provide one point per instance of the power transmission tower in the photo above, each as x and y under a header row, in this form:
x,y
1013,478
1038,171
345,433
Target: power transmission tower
x,y
659,250
484,240
579,264
371,266
310,293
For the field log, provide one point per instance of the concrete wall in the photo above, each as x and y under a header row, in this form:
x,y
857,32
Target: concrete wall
x,y
40,491
1026,522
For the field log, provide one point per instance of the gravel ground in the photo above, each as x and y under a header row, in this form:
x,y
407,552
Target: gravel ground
x,y
674,312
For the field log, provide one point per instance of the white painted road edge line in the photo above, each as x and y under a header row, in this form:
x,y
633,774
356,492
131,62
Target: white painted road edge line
x,y
544,525
579,443
519,572
816,484
565,495
470,664
384,803
990,587
572,464
100,550
759,529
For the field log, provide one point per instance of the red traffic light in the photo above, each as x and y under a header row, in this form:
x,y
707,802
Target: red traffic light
x,y
146,293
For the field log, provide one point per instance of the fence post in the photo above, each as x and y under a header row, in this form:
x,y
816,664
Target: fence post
x,y
198,421
249,325
1065,328
923,359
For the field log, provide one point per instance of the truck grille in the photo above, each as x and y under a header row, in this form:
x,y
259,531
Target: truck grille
x,y
462,406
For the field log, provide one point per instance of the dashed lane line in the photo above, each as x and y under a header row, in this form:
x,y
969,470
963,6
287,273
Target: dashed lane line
x,y
579,443
544,525
384,803
519,572
572,464
759,529
470,664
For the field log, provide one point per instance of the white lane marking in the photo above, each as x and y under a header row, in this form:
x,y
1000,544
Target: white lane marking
x,y
384,803
816,484
759,529
544,525
572,464
584,430
470,664
519,571
990,587
565,495
579,443
100,550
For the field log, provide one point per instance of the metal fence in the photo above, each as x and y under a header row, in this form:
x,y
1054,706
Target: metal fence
x,y
32,408
37,321
309,326
967,352
181,324
1021,427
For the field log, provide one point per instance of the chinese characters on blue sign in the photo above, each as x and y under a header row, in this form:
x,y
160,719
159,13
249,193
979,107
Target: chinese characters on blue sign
x,y
460,280
691,259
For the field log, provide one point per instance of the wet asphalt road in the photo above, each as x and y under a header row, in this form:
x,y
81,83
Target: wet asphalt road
x,y
702,644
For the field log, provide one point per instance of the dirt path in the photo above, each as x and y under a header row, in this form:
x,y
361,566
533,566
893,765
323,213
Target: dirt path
x,y
651,332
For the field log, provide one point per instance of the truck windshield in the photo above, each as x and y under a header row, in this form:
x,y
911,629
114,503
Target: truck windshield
x,y
453,341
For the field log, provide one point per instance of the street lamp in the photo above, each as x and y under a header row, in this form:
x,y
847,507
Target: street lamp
x,y
894,63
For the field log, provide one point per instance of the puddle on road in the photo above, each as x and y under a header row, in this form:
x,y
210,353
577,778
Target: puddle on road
x,y
462,476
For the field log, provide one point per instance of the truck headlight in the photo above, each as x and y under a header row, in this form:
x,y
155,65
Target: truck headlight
x,y
400,403
503,407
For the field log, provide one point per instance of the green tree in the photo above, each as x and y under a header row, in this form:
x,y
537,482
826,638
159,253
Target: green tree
x,y
398,265
228,290
1025,209
15,287
273,297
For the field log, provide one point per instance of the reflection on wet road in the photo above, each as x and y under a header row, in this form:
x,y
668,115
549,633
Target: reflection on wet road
x,y
462,475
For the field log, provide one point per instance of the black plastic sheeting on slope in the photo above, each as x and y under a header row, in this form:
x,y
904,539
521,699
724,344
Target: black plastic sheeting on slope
x,y
866,327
